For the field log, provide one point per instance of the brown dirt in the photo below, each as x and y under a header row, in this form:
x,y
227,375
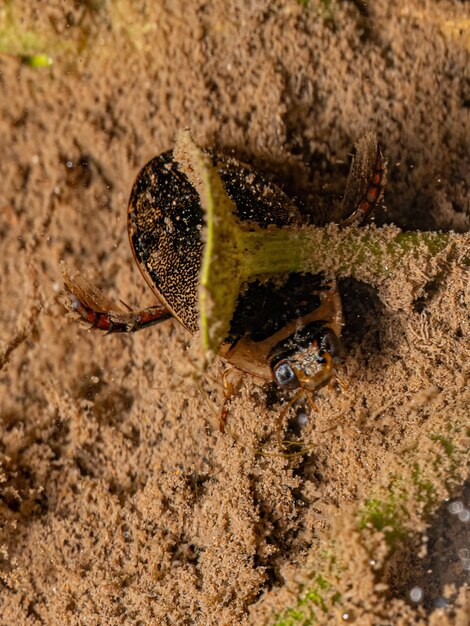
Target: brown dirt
x,y
121,503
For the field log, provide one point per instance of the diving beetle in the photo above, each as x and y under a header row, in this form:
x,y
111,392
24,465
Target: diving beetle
x,y
284,331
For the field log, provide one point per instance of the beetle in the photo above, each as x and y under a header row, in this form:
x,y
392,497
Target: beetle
x,y
287,331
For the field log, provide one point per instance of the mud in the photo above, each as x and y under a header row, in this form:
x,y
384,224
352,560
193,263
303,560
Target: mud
x,y
121,502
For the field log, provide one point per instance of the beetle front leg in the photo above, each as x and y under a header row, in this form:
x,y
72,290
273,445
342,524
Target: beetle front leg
x,y
284,412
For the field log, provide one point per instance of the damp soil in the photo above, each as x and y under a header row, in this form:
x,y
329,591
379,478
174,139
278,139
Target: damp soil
x,y
120,500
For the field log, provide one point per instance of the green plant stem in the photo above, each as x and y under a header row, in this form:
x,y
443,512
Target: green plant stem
x,y
346,252
236,252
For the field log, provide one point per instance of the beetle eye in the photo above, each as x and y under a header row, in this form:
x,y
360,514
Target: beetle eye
x,y
285,376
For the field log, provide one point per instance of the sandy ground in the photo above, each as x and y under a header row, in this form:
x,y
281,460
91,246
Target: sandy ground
x,y
120,501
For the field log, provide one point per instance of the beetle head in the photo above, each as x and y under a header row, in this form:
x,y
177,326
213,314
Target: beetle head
x,y
307,360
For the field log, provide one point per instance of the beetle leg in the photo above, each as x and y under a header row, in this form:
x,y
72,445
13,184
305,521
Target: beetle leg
x,y
232,379
369,158
340,381
284,412
312,402
116,321
88,303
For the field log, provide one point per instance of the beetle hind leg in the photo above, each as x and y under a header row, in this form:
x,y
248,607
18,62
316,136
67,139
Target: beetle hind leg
x,y
88,303
366,181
